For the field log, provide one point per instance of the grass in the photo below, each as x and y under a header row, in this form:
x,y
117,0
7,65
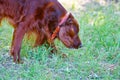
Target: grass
x,y
98,59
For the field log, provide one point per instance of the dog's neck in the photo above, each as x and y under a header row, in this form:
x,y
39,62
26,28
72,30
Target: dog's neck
x,y
63,20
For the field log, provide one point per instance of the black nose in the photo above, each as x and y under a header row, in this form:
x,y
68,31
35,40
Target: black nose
x,y
80,45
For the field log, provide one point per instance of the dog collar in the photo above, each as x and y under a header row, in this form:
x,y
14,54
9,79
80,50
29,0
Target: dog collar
x,y
58,27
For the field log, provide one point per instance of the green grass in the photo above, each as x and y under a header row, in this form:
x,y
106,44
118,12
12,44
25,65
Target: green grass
x,y
98,59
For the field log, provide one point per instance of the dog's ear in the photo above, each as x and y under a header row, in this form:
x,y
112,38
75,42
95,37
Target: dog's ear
x,y
69,21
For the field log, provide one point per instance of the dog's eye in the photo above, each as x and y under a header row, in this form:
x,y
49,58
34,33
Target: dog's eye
x,y
70,21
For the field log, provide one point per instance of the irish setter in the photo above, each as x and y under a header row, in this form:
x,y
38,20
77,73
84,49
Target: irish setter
x,y
48,19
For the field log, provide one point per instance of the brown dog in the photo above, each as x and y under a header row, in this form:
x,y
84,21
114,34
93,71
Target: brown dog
x,y
46,18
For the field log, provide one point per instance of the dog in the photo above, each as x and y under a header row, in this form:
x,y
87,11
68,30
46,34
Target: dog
x,y
48,19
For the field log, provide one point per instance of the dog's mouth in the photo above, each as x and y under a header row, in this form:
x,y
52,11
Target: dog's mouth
x,y
74,46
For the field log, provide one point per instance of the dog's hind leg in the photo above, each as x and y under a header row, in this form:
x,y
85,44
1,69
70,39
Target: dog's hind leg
x,y
18,35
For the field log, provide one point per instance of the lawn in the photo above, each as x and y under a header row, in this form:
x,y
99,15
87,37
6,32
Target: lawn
x,y
98,59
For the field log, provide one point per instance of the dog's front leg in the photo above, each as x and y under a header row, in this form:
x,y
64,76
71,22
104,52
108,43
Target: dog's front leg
x,y
50,42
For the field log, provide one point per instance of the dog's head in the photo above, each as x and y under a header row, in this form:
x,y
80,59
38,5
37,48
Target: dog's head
x,y
68,33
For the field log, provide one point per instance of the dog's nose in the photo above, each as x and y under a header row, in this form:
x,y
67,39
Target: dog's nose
x,y
80,45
